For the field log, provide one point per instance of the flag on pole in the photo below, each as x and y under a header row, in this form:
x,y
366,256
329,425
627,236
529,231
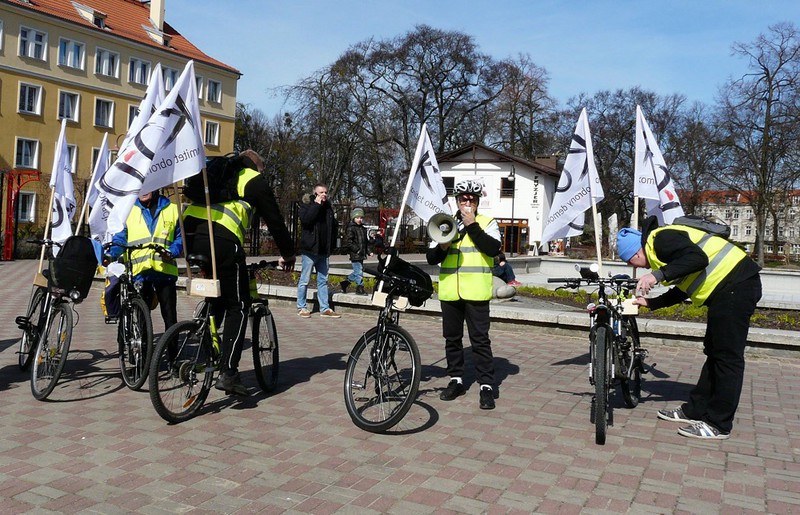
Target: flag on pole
x,y
63,191
426,193
168,148
578,188
153,98
652,180
97,224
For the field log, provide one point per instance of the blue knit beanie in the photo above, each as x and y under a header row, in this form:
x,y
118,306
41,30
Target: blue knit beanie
x,y
629,241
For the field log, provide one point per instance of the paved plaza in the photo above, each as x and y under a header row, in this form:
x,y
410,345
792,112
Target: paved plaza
x,y
97,447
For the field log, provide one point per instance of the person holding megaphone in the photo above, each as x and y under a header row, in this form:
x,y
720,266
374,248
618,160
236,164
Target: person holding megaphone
x,y
465,289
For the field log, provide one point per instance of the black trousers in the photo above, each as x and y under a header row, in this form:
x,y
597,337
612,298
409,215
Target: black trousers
x,y
232,307
167,295
716,396
476,314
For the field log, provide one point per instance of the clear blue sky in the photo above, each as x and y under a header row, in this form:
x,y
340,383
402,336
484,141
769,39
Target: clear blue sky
x,y
680,46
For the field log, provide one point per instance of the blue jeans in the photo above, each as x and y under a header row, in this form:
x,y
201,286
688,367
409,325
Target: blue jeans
x,y
358,273
320,263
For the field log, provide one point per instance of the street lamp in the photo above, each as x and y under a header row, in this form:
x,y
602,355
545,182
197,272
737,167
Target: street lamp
x,y
511,178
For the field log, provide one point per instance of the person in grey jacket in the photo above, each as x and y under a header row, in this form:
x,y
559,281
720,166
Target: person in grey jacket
x,y
357,244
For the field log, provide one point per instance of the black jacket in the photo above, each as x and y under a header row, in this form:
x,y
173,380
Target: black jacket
x,y
319,227
357,242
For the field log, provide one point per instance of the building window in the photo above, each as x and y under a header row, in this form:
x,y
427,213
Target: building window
x,y
32,43
748,230
506,188
734,230
214,91
30,98
1,34
212,133
106,63
27,153
104,113
449,184
199,85
139,71
26,206
170,78
68,105
70,53
72,151
133,110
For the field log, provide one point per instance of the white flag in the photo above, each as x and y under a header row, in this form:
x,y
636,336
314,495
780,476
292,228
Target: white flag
x,y
652,181
63,191
153,97
168,148
97,223
425,192
578,188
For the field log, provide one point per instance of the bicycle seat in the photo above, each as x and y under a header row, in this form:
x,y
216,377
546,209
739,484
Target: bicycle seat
x,y
199,260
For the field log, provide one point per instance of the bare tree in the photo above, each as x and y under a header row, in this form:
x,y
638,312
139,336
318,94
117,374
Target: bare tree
x,y
697,157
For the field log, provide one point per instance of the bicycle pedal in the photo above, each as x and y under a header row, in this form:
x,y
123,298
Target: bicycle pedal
x,y
112,320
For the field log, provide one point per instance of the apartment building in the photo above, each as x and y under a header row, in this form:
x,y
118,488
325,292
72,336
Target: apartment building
x,y
88,61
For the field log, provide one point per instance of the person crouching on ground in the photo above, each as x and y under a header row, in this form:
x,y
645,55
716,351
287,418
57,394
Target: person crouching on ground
x,y
465,288
357,245
710,271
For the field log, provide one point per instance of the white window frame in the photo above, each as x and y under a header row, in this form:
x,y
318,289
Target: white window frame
x,y
34,160
76,108
66,53
72,151
101,63
31,215
199,85
34,44
170,76
133,110
211,134
37,109
217,99
1,34
138,71
110,120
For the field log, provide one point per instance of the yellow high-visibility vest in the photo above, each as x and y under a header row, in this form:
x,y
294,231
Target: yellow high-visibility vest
x,y
466,272
723,256
164,235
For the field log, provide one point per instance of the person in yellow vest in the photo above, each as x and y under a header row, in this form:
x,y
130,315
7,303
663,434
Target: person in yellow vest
x,y
231,221
154,219
711,271
465,289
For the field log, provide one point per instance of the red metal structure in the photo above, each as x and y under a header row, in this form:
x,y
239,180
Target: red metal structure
x,y
16,179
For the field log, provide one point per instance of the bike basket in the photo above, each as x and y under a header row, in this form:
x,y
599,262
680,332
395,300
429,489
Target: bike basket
x,y
417,286
75,266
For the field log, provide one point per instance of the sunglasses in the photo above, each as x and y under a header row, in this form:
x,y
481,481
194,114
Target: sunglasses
x,y
467,198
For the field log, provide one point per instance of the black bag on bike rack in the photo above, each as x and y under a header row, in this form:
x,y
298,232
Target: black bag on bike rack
x,y
418,293
75,266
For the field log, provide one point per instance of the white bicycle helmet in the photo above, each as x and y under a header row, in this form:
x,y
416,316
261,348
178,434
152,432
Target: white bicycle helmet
x,y
468,186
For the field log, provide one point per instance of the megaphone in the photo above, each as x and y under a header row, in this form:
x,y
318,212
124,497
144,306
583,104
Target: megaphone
x,y
442,228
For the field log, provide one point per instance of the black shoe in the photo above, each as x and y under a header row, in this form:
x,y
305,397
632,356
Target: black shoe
x,y
487,398
360,290
232,385
454,389
344,284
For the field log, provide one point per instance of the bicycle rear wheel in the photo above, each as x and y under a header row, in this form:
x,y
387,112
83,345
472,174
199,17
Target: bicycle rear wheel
x,y
631,384
181,371
135,338
30,334
51,352
382,378
265,348
602,380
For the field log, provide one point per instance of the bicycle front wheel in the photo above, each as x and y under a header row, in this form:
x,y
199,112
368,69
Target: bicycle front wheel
x,y
631,384
265,348
382,378
181,371
602,380
135,340
27,344
51,351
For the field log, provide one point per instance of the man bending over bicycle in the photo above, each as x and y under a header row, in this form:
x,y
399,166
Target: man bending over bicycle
x,y
232,219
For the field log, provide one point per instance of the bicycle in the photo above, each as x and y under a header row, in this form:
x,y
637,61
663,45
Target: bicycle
x,y
188,354
135,329
48,339
384,367
617,357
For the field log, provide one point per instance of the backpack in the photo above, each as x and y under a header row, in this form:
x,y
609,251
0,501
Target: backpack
x,y
75,266
697,222
223,177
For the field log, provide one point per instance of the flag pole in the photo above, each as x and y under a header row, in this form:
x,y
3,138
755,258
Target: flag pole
x,y
91,183
411,173
183,233
46,230
210,226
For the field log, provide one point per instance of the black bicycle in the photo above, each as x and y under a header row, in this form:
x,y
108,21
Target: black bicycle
x,y
188,354
30,327
617,357
384,368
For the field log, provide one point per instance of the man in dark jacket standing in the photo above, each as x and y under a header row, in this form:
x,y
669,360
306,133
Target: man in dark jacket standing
x,y
713,272
357,246
317,241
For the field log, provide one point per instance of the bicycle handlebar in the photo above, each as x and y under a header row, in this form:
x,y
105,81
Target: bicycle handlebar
x,y
264,264
48,242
